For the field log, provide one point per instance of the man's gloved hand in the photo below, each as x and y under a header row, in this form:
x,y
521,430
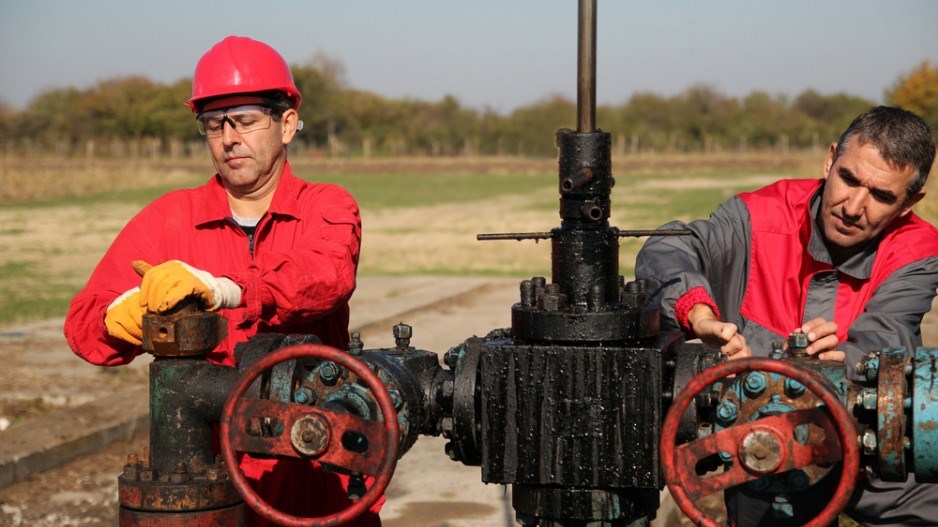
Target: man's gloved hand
x,y
124,318
165,285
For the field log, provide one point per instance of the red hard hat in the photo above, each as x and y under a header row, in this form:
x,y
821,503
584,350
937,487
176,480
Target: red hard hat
x,y
241,65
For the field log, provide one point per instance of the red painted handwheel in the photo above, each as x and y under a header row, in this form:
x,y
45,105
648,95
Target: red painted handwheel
x,y
310,433
840,442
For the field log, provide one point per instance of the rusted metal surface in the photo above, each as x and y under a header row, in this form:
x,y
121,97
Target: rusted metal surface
x,y
335,430
379,456
891,392
232,516
759,394
679,462
183,332
924,409
169,494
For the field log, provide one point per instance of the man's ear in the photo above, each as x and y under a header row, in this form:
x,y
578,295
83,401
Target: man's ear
x,y
913,199
288,123
829,162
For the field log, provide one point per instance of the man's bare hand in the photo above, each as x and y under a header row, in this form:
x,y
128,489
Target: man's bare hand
x,y
714,333
822,339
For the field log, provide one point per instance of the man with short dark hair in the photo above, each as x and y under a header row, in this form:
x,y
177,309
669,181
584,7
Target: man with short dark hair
x,y
269,251
843,259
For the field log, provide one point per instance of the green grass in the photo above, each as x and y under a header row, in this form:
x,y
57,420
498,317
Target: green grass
x,y
28,292
139,196
402,190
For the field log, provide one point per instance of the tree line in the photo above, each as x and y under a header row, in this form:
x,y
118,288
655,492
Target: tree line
x,y
137,116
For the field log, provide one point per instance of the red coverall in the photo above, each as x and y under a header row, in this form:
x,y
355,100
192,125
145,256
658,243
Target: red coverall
x,y
297,275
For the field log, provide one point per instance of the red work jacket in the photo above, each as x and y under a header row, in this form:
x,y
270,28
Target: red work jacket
x,y
782,271
296,275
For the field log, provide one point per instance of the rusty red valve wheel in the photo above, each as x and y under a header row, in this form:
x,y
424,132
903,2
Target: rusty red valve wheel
x,y
311,433
746,442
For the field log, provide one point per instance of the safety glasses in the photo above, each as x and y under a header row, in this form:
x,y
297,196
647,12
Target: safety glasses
x,y
243,119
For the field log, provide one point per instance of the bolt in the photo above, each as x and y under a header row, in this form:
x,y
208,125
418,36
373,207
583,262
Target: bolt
x,y
447,388
528,294
868,398
860,368
552,301
329,372
355,346
869,443
759,484
798,480
402,335
215,473
303,396
727,411
906,443
179,474
755,384
781,508
131,471
869,366
794,388
597,298
356,486
798,340
446,427
396,399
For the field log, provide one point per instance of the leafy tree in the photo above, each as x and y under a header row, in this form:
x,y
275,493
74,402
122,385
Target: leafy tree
x,y
705,115
529,129
829,115
54,116
651,119
918,92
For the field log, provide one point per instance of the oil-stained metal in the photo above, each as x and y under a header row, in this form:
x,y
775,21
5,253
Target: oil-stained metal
x,y
354,444
775,431
185,331
631,233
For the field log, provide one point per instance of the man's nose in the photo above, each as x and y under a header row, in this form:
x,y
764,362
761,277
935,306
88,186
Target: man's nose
x,y
229,135
855,203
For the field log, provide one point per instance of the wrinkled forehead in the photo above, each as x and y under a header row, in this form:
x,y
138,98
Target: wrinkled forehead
x,y
234,100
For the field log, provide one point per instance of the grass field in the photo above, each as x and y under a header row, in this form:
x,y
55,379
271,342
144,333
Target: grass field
x,y
420,216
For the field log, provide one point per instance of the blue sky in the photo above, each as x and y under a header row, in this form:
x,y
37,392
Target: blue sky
x,y
498,54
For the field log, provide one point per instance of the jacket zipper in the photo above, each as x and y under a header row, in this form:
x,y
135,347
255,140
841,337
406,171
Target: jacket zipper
x,y
248,235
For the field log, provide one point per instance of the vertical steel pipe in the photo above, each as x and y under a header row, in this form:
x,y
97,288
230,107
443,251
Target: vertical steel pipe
x,y
586,67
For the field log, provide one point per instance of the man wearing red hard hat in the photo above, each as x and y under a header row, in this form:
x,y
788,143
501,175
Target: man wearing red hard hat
x,y
270,252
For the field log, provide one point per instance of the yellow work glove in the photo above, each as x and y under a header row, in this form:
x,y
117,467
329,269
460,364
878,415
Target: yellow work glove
x,y
124,317
167,284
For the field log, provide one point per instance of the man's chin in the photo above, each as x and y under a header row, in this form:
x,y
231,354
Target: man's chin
x,y
840,241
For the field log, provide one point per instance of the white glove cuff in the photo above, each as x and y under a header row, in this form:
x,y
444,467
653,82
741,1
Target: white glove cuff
x,y
228,294
225,293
